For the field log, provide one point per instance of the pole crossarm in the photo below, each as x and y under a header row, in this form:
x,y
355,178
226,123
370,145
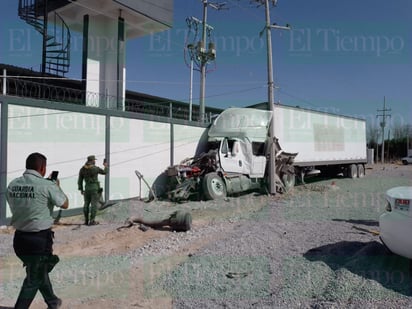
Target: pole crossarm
x,y
274,26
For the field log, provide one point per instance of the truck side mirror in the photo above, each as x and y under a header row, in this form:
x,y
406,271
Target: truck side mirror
x,y
225,147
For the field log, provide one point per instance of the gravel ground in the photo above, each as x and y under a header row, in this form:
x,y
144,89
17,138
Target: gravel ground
x,y
312,248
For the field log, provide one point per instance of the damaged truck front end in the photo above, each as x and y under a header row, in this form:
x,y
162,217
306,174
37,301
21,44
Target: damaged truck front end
x,y
235,161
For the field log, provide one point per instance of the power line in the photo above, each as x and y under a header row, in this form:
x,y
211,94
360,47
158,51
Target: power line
x,y
297,98
234,92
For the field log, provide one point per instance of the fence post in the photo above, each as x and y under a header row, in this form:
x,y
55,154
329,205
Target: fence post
x,y
4,81
172,144
107,157
3,160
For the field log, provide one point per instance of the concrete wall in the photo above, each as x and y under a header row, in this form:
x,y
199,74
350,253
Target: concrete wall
x,y
67,134
105,62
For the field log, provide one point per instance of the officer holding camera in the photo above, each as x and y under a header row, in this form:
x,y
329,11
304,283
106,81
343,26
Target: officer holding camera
x,y
92,190
32,199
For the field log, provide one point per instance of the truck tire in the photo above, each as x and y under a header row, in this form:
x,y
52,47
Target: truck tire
x,y
361,170
352,171
181,221
214,187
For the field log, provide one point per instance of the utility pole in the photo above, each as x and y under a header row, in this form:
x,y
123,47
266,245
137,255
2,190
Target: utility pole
x,y
191,90
384,115
271,100
203,62
198,51
190,49
205,55
389,136
201,57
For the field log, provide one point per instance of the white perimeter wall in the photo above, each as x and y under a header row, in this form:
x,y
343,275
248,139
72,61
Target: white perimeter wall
x,y
67,138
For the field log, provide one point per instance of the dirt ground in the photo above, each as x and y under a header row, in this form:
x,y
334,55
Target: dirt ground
x,y
83,245
103,267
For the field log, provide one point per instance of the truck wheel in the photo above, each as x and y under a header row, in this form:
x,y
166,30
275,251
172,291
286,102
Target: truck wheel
x,y
361,170
288,181
214,187
352,171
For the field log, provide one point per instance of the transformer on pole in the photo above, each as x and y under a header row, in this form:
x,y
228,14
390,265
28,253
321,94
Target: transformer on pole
x,y
201,52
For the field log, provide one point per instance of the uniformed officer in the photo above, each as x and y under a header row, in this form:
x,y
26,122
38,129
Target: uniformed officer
x,y
32,198
92,190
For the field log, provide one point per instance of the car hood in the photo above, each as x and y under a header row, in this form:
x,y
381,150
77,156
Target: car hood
x,y
400,192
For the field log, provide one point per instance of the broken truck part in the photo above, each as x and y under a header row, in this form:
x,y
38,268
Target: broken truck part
x,y
178,220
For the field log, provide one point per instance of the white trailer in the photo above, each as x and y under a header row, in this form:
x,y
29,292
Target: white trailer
x,y
323,142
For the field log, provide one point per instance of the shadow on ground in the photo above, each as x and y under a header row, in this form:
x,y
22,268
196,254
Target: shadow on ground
x,y
363,222
370,260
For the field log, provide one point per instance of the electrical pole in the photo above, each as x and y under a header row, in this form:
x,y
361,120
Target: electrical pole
x,y
272,155
199,53
201,57
384,115
389,136
191,90
205,55
203,62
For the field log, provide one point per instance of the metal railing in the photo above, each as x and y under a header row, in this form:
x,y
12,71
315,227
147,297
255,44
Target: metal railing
x,y
56,35
41,90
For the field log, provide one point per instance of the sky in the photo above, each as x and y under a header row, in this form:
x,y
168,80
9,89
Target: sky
x,y
345,57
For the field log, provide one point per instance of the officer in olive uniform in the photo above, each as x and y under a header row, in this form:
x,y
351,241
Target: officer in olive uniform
x,y
32,198
92,191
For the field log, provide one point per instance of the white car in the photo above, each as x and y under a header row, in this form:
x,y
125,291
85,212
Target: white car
x,y
407,160
396,223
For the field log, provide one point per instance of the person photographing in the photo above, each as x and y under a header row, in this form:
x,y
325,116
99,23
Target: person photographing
x,y
32,198
92,191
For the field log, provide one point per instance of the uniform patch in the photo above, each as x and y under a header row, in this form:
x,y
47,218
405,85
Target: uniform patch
x,y
22,192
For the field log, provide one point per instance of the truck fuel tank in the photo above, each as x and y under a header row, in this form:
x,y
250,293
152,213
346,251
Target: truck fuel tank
x,y
236,183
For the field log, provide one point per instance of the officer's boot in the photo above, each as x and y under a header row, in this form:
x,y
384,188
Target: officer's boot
x,y
23,303
54,304
86,215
